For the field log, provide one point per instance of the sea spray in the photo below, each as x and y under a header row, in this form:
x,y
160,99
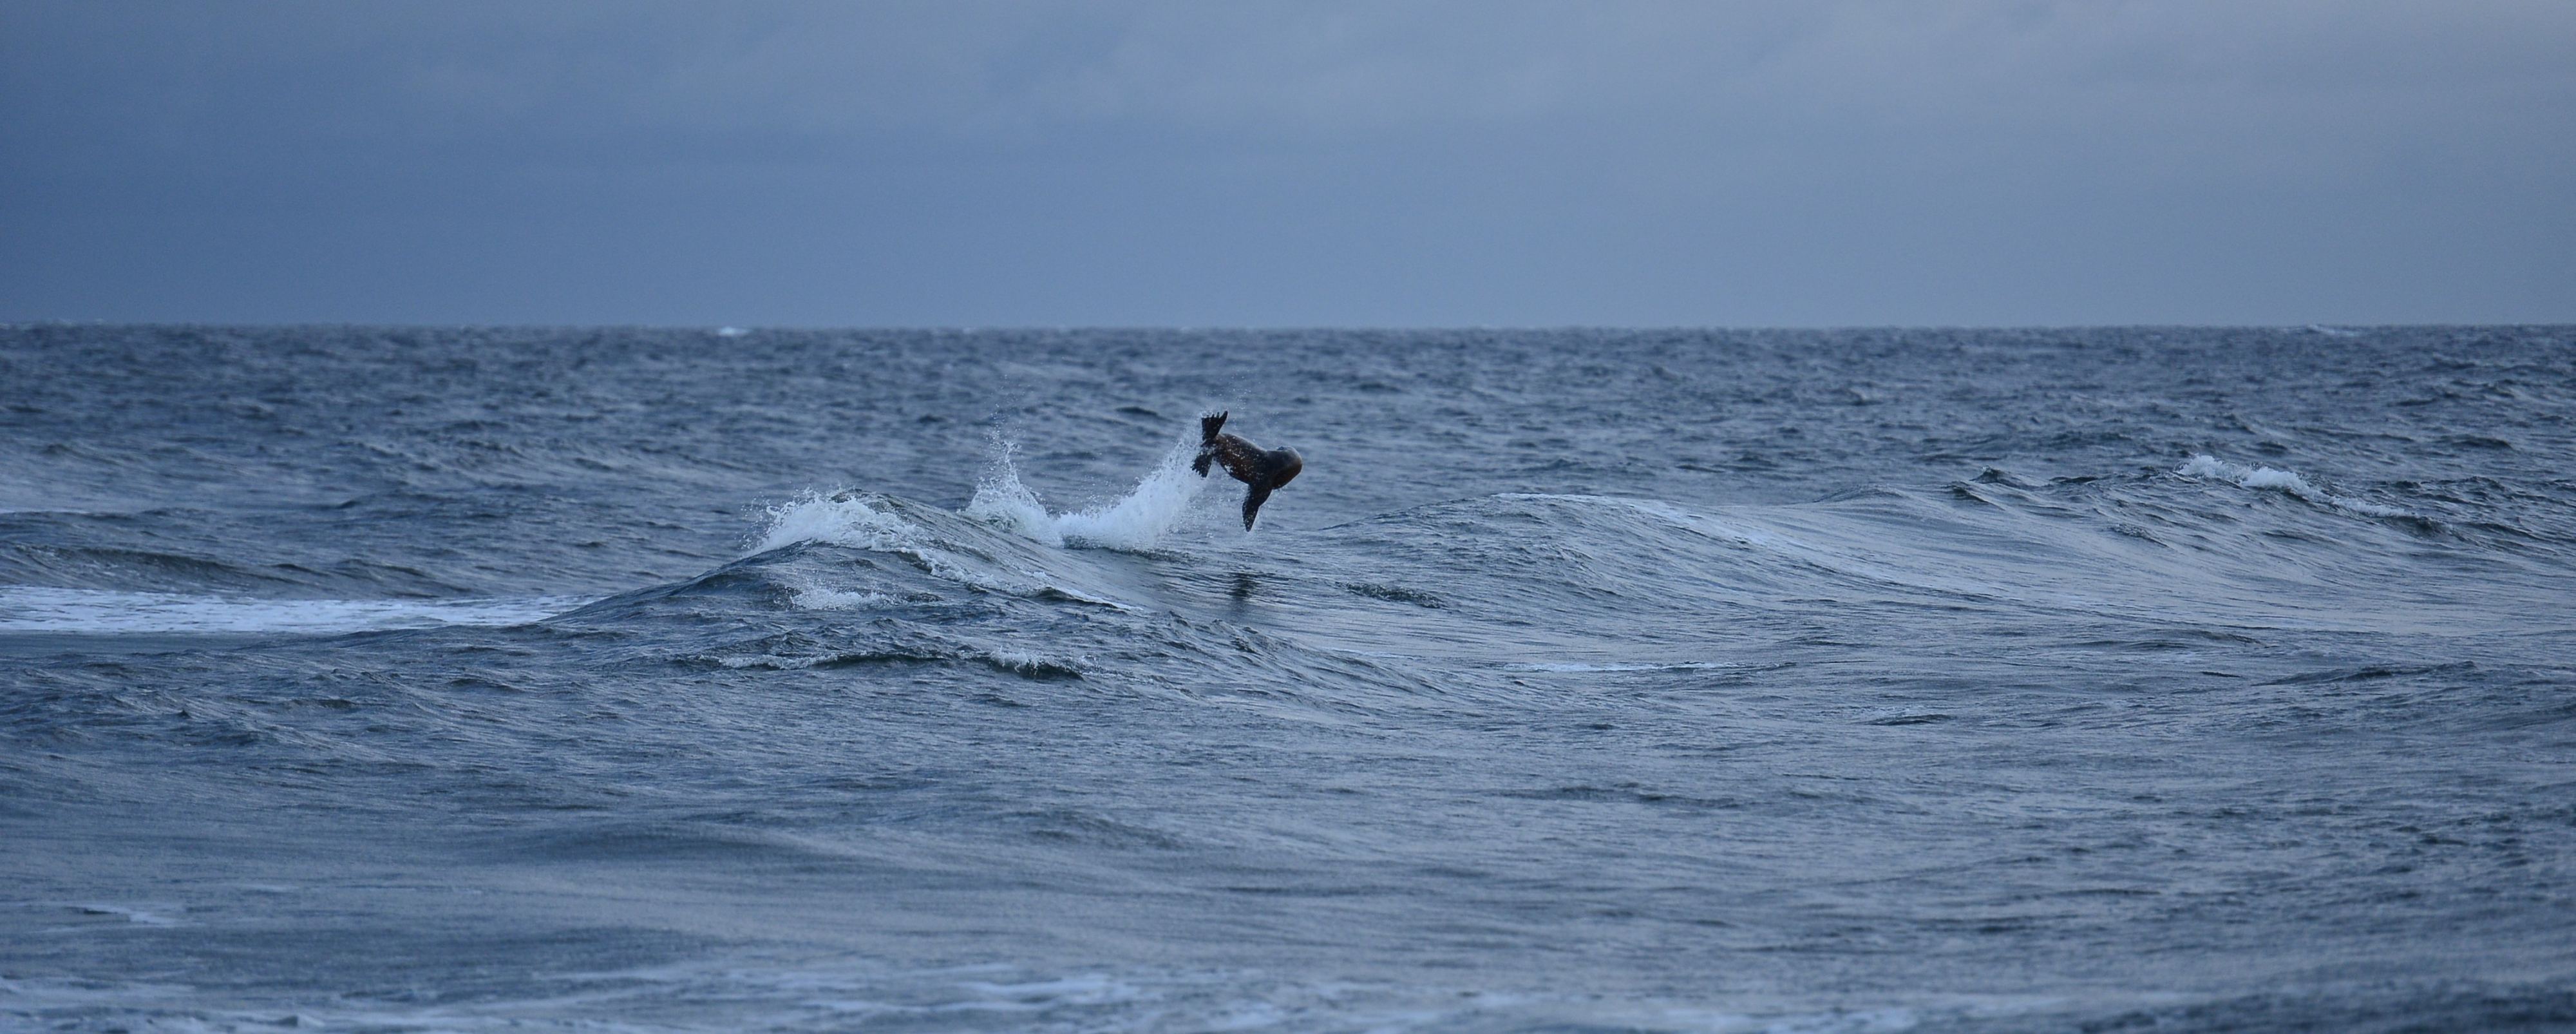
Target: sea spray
x,y
1137,520
838,518
1003,501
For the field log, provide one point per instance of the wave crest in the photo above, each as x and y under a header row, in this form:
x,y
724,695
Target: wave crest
x,y
2287,482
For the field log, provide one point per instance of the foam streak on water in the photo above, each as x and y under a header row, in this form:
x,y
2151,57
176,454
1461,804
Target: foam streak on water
x,y
100,612
693,680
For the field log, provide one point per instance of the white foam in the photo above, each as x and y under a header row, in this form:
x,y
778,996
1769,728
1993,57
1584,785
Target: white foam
x,y
778,662
843,519
805,593
36,608
815,597
1577,667
1137,520
839,519
2284,481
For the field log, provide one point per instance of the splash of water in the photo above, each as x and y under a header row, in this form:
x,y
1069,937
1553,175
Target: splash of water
x,y
1137,520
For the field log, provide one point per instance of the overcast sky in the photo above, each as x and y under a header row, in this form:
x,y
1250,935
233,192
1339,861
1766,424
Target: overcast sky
x,y
1475,162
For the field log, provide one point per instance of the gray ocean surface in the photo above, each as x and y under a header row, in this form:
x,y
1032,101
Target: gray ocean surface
x,y
1909,680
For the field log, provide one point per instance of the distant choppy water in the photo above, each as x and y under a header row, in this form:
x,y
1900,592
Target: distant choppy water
x,y
1869,681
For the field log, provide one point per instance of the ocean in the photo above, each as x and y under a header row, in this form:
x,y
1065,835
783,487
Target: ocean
x,y
414,679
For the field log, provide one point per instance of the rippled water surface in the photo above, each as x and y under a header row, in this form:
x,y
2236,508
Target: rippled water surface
x,y
401,679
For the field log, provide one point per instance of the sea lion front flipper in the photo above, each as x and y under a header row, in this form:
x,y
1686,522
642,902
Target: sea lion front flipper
x,y
1252,501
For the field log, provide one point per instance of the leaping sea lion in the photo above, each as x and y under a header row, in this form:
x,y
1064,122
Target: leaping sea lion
x,y
1263,469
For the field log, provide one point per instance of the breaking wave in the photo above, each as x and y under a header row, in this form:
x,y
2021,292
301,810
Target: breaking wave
x,y
2283,481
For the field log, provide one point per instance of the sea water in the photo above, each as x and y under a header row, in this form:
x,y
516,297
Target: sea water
x,y
1933,680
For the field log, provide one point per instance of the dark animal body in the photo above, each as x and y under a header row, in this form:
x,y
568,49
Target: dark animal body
x,y
1263,469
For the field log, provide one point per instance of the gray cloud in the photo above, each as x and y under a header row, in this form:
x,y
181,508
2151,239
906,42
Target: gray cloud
x,y
1291,163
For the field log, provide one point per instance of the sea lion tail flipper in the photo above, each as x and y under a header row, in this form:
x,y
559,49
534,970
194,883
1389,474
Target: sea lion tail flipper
x,y
1252,501
1208,426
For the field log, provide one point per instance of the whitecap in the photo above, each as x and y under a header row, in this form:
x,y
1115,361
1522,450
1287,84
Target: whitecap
x,y
839,519
2287,482
845,519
